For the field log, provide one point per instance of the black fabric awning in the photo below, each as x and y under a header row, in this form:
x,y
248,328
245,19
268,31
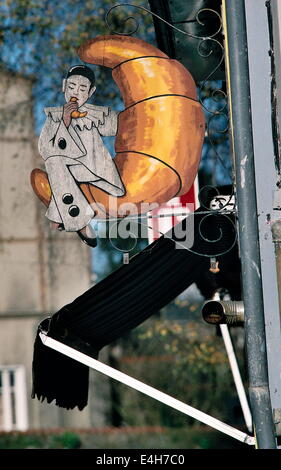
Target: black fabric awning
x,y
120,302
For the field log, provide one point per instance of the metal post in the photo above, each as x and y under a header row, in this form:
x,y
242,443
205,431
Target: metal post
x,y
240,104
263,60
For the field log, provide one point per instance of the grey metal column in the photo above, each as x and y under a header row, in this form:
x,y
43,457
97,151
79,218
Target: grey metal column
x,y
248,224
264,84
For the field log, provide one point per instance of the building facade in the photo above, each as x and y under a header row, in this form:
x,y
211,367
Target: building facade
x,y
41,270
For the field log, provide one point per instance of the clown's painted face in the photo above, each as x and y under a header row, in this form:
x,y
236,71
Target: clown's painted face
x,y
78,86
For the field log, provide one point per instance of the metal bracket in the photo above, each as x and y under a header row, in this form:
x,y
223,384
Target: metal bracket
x,y
223,203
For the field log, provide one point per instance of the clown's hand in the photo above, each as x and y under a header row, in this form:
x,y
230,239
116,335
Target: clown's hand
x,y
67,110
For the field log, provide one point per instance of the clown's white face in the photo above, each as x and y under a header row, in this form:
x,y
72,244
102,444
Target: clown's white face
x,y
78,86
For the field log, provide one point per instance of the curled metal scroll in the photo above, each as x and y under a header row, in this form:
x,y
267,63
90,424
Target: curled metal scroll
x,y
119,5
203,231
216,117
132,236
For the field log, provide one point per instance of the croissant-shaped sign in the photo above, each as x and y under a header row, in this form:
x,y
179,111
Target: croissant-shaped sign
x,y
159,134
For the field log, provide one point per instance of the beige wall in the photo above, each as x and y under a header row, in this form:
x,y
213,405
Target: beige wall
x,y
41,270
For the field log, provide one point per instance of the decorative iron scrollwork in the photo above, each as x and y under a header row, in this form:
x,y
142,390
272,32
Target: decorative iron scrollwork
x,y
214,102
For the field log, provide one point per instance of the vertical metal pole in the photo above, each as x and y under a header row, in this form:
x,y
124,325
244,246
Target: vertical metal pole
x,y
238,74
259,21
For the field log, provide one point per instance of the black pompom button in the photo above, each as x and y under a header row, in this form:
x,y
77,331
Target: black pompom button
x,y
74,211
62,143
67,198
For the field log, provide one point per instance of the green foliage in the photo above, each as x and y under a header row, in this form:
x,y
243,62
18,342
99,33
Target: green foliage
x,y
19,441
185,359
43,440
67,440
125,438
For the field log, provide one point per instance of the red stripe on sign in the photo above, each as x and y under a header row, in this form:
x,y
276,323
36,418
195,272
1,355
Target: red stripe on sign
x,y
188,197
173,207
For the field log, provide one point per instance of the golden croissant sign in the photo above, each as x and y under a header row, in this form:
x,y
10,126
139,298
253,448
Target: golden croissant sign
x,y
159,134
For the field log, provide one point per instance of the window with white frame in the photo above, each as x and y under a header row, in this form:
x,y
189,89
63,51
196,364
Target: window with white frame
x,y
13,398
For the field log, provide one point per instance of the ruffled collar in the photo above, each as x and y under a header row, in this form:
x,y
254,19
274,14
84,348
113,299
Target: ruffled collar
x,y
94,118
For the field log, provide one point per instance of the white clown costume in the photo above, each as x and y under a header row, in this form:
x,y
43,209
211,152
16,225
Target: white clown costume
x,y
75,155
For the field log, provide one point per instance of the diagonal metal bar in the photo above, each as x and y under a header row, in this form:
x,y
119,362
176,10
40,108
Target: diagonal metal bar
x,y
237,377
146,389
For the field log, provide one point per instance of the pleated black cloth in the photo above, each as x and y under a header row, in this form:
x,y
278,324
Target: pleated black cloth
x,y
119,303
